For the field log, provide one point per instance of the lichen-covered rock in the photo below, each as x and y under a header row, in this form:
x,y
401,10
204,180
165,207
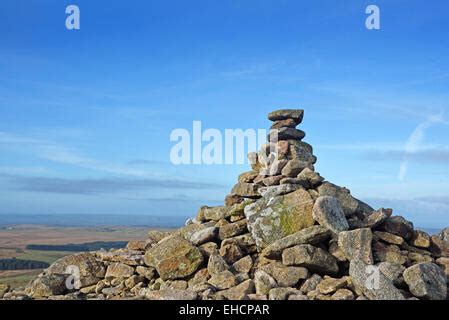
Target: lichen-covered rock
x,y
273,191
420,239
389,237
126,256
47,285
444,235
289,123
349,204
285,276
372,283
243,265
311,178
282,293
294,167
388,253
206,213
313,258
232,229
356,244
202,236
119,270
275,218
285,134
330,285
439,247
89,268
4,288
284,114
223,280
174,258
343,294
169,294
264,282
231,253
376,218
393,271
311,235
399,226
146,272
328,213
239,292
246,190
426,280
311,283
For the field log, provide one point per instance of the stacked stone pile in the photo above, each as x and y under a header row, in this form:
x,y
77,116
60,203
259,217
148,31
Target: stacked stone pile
x,y
283,233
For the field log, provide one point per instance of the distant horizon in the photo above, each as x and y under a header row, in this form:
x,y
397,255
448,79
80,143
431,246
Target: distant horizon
x,y
169,221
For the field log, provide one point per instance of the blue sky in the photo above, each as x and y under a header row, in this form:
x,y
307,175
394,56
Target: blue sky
x,y
86,115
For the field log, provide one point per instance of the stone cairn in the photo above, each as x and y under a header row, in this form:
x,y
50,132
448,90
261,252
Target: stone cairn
x,y
283,233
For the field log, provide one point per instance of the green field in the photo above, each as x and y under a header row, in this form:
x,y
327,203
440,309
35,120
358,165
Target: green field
x,y
19,278
45,256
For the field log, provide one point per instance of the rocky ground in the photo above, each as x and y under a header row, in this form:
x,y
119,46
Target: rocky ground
x,y
283,233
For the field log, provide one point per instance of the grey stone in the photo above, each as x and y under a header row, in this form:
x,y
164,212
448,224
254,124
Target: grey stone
x,y
285,114
217,264
356,244
275,218
372,283
329,214
311,235
174,258
427,281
285,276
246,190
203,236
399,226
264,282
273,191
285,134
282,293
313,258
393,271
311,283
349,204
169,294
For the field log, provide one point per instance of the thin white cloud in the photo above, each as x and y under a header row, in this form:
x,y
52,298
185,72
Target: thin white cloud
x,y
54,152
415,141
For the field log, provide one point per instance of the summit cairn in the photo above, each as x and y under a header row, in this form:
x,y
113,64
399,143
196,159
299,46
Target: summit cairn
x,y
283,233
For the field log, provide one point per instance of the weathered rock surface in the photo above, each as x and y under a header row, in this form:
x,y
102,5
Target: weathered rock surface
x,y
271,219
174,258
284,114
426,280
356,245
373,283
328,213
349,204
313,258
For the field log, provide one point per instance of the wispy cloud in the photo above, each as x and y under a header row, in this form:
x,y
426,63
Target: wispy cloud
x,y
52,151
415,140
144,162
101,185
427,155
